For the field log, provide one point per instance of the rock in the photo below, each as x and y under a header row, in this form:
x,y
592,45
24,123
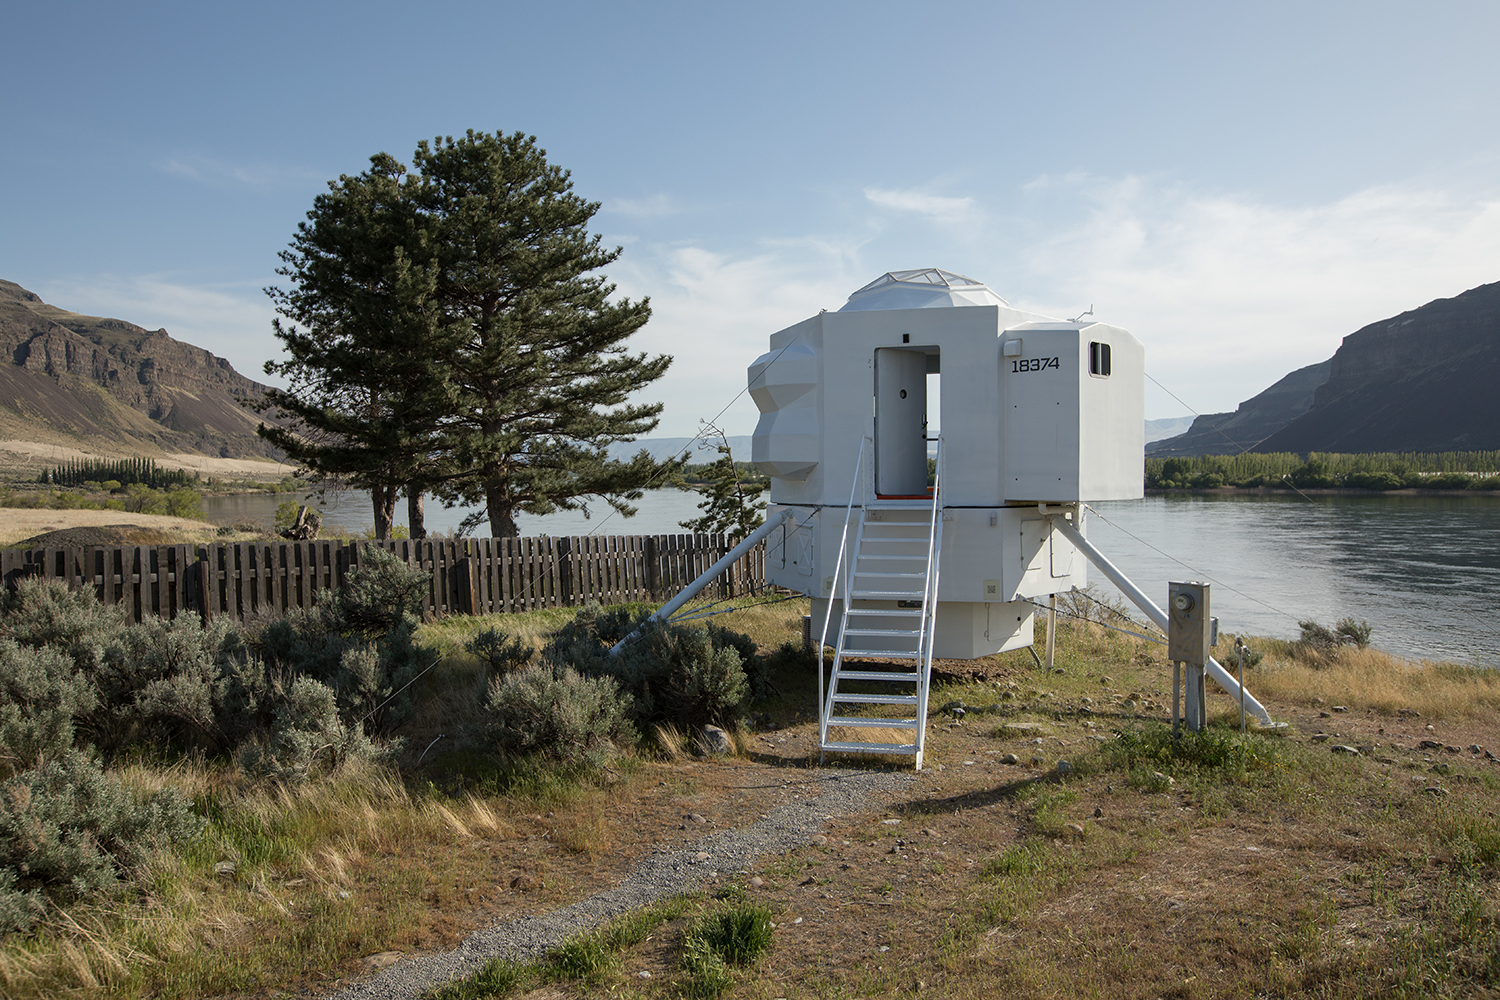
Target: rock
x,y
1431,728
1435,790
757,882
1430,745
1163,779
225,868
1408,713
1098,812
1076,828
1319,701
959,713
1342,748
1106,679
819,839
1010,758
1341,708
716,740
1475,748
525,883
1318,737
701,856
1022,728
694,818
381,960
1453,749
928,831
1063,767
1325,715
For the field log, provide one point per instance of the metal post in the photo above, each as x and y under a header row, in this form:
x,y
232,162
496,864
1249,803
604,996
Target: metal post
x,y
1176,696
1051,631
1239,644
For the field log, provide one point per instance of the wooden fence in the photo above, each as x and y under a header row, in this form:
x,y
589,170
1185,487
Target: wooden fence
x,y
469,576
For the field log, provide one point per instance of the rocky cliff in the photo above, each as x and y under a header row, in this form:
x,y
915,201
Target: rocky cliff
x,y
1251,422
108,382
1421,381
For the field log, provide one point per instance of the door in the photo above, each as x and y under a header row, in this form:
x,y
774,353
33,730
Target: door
x,y
900,422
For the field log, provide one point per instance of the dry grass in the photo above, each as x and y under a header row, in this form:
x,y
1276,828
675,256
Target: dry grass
x,y
1371,679
20,523
1299,879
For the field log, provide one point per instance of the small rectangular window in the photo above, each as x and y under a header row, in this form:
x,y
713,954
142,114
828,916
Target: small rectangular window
x,y
1098,359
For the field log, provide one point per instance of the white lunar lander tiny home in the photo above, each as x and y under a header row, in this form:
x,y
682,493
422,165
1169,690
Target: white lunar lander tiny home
x,y
1038,417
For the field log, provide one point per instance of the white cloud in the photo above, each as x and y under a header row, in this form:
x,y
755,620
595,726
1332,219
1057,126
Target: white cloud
x,y
233,322
654,207
212,172
938,208
1230,292
713,312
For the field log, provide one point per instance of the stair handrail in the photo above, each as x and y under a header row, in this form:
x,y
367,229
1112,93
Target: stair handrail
x,y
834,589
929,598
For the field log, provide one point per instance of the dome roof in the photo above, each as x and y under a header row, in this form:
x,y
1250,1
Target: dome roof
x,y
923,288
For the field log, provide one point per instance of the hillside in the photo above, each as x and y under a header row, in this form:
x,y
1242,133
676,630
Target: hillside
x,y
1252,421
1420,381
112,386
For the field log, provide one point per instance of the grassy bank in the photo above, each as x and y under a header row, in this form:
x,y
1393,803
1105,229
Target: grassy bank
x,y
1269,864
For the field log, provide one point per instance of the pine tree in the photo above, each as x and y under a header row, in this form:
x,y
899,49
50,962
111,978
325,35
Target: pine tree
x,y
455,337
361,332
729,505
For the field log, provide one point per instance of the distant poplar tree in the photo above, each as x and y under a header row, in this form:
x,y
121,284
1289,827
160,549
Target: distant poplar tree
x,y
455,337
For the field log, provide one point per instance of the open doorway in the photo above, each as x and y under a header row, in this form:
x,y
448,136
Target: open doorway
x,y
906,386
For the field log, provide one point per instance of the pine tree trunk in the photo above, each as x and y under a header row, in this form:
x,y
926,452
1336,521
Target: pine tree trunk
x,y
414,513
502,521
383,499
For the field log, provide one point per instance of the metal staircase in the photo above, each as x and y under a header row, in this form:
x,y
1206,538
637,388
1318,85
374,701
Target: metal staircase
x,y
890,605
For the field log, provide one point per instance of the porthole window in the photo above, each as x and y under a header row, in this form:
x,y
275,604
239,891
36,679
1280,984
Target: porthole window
x,y
1098,359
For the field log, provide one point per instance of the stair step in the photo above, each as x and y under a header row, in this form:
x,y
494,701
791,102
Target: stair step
x,y
874,699
885,595
892,557
895,633
880,654
850,720
863,573
887,612
895,677
906,748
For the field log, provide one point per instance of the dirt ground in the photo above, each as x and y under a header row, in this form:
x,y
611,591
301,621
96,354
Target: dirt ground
x,y
1172,895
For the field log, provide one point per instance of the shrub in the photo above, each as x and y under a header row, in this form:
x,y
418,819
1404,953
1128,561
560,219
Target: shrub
x,y
308,735
557,712
67,829
46,613
686,675
499,653
1347,632
41,692
379,592
165,682
1317,637
1352,633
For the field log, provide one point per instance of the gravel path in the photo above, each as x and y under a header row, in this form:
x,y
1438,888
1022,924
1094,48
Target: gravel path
x,y
664,873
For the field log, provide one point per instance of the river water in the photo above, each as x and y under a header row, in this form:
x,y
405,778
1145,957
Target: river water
x,y
1424,571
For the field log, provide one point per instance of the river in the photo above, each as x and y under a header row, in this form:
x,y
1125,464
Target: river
x,y
1423,570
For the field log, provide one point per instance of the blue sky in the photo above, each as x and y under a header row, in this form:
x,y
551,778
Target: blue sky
x,y
1239,185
